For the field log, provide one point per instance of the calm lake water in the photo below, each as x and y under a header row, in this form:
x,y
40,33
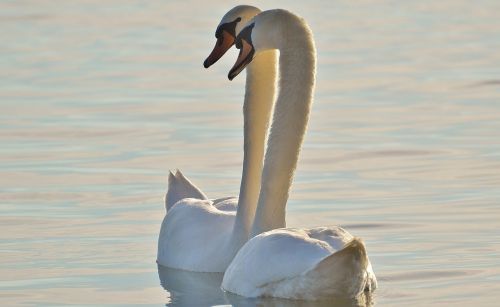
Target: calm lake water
x,y
100,99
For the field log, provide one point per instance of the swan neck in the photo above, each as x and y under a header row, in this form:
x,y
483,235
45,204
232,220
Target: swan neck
x,y
297,65
259,98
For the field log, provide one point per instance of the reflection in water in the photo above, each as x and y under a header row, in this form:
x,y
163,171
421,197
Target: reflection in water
x,y
203,289
192,289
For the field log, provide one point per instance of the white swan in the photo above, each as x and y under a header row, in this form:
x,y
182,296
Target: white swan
x,y
203,235
287,262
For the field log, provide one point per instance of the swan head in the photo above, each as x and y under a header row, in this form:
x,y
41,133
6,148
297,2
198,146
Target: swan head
x,y
227,30
266,31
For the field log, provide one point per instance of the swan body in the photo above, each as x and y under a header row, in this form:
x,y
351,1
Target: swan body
x,y
283,262
309,264
191,220
202,235
195,235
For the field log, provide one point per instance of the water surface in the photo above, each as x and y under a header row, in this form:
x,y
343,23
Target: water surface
x,y
100,99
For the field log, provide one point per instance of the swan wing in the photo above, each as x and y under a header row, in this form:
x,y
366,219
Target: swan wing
x,y
226,204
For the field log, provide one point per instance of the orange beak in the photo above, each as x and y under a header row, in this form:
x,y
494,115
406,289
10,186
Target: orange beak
x,y
224,42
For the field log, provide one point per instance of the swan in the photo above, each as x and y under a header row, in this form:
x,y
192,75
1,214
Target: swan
x,y
202,235
291,263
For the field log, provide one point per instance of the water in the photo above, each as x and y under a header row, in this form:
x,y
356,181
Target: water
x,y
99,99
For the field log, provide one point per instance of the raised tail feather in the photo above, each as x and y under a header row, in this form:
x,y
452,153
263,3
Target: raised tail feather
x,y
180,187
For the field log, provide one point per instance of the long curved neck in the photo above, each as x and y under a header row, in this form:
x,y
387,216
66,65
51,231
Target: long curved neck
x,y
259,98
297,64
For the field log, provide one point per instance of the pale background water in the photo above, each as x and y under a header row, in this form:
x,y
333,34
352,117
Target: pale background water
x,y
100,98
